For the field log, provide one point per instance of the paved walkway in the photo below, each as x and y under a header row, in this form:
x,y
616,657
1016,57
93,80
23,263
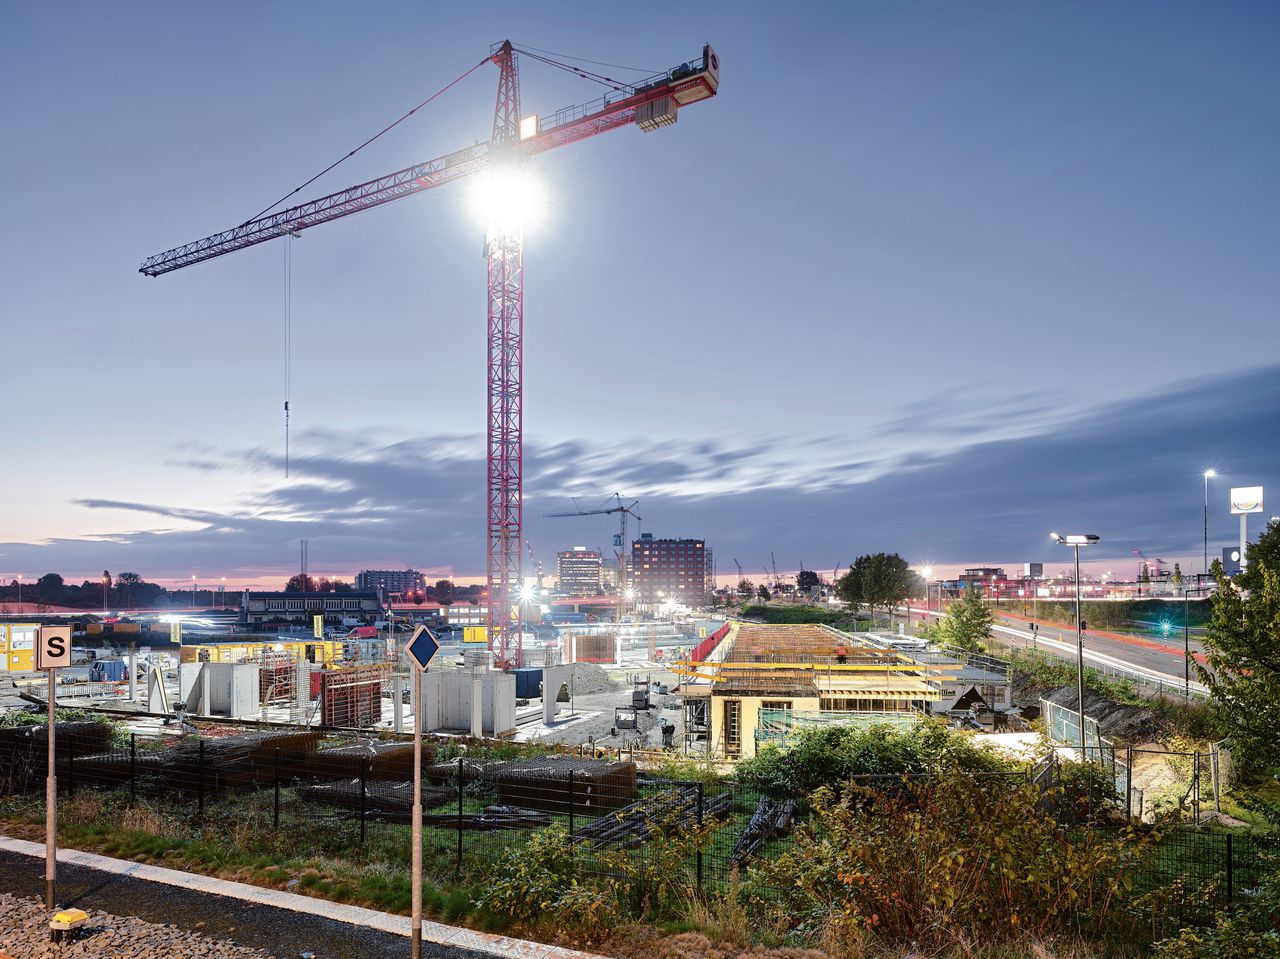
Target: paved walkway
x,y
282,923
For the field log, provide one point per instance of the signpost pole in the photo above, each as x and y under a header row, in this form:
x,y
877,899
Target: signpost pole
x,y
53,651
51,807
422,647
416,930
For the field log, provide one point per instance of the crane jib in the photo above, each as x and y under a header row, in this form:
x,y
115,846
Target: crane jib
x,y
683,85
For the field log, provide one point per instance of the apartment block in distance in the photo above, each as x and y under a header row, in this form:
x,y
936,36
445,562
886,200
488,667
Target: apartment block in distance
x,y
578,572
390,580
678,569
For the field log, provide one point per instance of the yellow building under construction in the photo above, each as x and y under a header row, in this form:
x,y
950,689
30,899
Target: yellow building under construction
x,y
760,682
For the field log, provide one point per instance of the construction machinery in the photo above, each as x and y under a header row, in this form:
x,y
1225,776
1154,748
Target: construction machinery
x,y
650,104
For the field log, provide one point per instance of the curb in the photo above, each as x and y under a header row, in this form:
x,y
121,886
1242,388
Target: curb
x,y
433,932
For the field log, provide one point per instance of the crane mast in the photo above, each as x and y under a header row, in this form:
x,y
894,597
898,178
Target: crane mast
x,y
650,105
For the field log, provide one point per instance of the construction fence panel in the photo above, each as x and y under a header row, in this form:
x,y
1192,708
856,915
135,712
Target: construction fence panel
x,y
296,793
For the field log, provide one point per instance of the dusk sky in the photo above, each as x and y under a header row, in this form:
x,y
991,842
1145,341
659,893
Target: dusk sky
x,y
932,278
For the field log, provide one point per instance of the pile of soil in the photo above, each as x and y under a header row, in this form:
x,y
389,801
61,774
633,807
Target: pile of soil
x,y
1117,723
588,678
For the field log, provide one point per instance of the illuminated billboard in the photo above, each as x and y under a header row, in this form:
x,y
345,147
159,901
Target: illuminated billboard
x,y
1246,499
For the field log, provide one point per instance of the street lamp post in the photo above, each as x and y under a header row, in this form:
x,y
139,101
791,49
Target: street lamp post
x,y
1076,541
1186,637
1208,475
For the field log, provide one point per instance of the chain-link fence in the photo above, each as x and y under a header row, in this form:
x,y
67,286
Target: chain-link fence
x,y
297,795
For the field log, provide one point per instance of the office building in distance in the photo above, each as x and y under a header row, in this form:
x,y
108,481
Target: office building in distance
x,y
578,572
671,569
400,581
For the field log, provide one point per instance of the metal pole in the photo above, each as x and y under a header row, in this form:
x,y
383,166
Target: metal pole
x,y
1186,644
364,787
1079,657
700,797
1206,525
51,808
133,767
415,929
461,765
275,813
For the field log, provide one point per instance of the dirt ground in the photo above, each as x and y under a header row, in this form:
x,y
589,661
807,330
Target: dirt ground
x,y
597,728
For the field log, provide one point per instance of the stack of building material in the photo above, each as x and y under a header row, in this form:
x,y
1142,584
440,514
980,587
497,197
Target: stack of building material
x,y
471,770
668,812
551,782
385,802
387,761
239,760
770,820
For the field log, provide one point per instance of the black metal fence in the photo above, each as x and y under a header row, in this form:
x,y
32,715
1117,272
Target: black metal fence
x,y
292,794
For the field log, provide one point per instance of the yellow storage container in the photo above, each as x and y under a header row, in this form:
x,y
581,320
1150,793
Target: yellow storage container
x,y
475,634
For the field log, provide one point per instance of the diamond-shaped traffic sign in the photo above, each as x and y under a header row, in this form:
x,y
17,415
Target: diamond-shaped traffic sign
x,y
422,647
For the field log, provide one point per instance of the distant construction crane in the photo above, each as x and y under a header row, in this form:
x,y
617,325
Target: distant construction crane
x,y
650,104
623,510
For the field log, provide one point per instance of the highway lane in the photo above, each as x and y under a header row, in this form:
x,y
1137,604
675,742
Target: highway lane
x,y
1155,660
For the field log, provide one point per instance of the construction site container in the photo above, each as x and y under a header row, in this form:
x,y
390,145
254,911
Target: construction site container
x,y
528,683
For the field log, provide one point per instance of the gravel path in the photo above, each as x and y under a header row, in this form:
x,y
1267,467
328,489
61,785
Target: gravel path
x,y
24,934
271,931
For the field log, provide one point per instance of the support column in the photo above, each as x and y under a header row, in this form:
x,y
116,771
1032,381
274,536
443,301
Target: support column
x,y
477,707
397,704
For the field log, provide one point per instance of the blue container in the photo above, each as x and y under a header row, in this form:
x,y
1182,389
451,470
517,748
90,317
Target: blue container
x,y
109,671
528,683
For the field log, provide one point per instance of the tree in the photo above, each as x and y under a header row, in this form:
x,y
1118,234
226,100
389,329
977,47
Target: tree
x,y
745,589
1242,668
878,580
444,592
967,622
1265,552
763,594
49,587
849,586
300,584
1177,576
807,579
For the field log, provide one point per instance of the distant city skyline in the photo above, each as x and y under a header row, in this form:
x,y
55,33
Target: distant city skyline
x,y
979,273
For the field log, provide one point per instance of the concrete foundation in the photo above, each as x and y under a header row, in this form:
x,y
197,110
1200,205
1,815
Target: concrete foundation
x,y
219,689
479,702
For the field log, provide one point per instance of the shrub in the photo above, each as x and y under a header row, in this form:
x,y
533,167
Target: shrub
x,y
832,755
543,880
1251,932
937,863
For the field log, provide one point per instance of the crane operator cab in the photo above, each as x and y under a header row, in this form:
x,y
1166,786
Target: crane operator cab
x,y
687,83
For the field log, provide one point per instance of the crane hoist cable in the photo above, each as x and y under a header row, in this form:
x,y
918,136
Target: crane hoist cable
x,y
522,48
288,340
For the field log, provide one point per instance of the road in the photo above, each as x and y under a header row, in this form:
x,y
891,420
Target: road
x,y
1160,662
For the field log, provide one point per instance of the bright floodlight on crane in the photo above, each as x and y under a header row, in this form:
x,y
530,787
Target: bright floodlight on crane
x,y
506,200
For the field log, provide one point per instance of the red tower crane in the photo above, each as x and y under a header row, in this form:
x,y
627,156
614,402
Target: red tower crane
x,y
650,104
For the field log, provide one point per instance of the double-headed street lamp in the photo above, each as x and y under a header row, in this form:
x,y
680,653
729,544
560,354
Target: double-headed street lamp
x,y
1076,541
